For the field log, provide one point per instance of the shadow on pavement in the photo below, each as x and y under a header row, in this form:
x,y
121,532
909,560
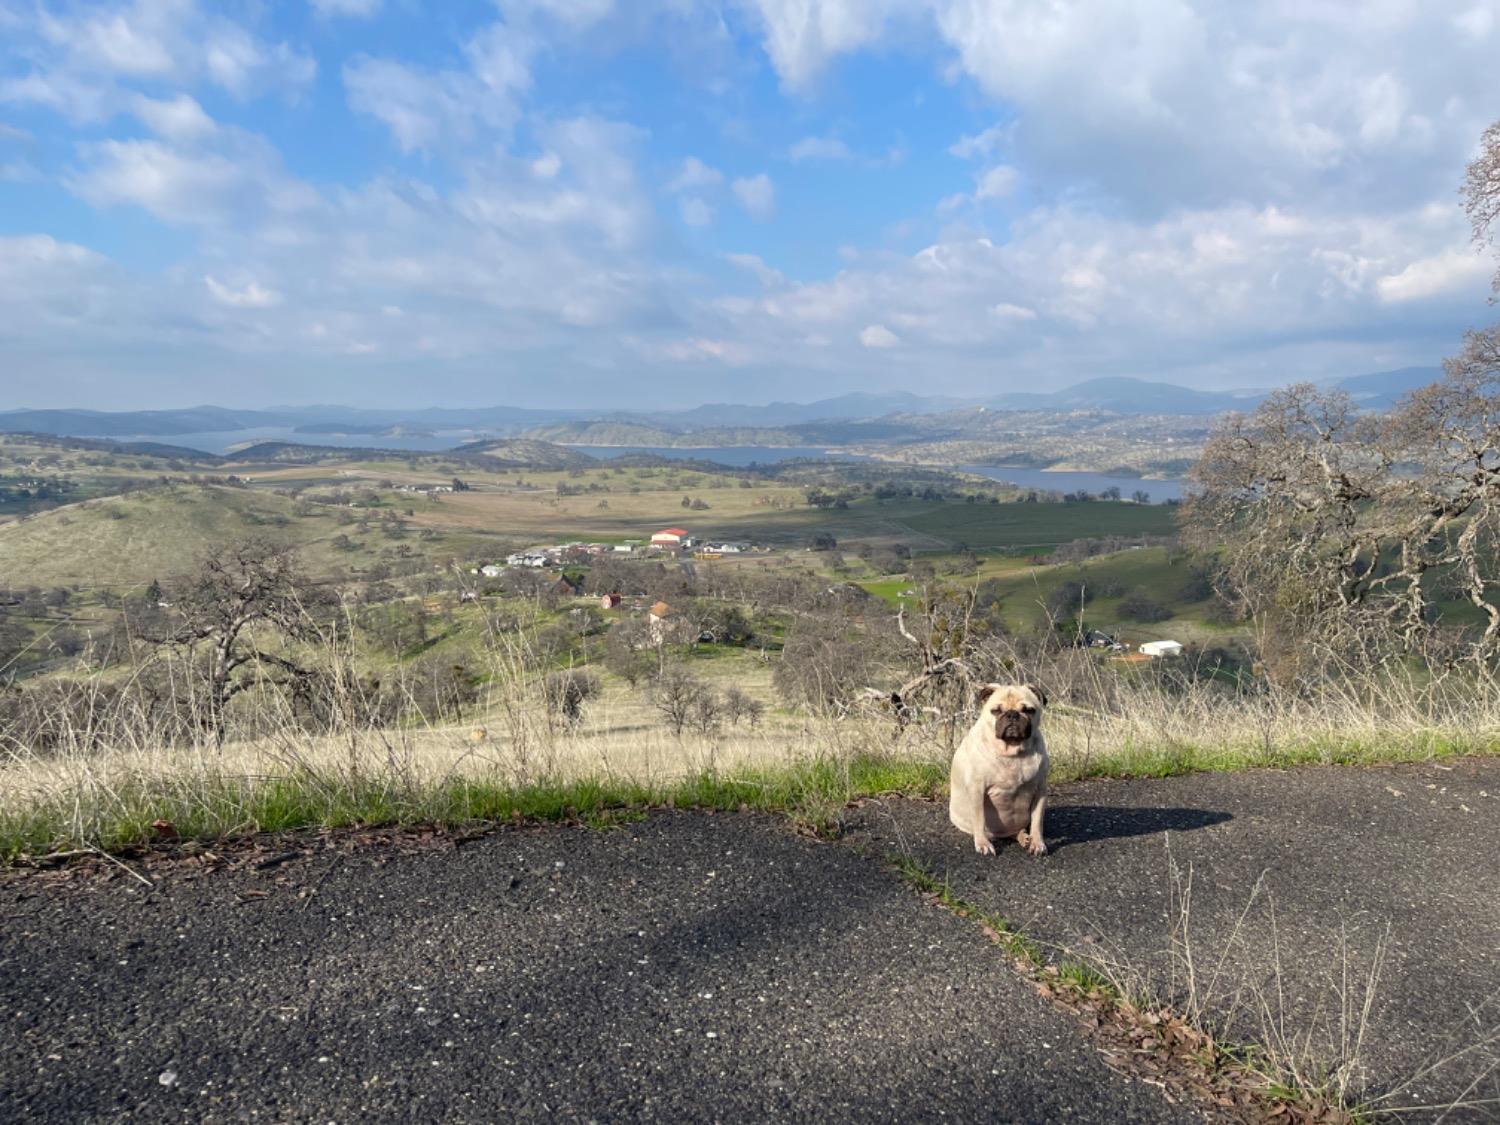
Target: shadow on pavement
x,y
1081,824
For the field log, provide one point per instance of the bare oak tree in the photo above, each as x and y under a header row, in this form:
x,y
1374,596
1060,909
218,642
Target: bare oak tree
x,y
1342,531
1481,191
1339,532
245,599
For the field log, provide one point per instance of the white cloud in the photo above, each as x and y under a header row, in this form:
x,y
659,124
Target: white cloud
x,y
172,185
1074,292
802,35
1212,191
997,182
504,263
41,250
241,182
359,9
695,212
757,195
248,296
500,57
698,349
1450,272
987,144
819,148
694,175
419,109
1169,102
575,14
82,55
243,65
547,166
754,264
177,119
1007,311
427,109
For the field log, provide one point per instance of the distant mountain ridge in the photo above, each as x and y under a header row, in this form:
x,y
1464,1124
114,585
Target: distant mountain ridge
x,y
783,423
1381,389
1124,395
848,407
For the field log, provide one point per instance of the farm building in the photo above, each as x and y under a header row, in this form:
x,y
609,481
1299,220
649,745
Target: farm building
x,y
566,587
671,537
534,559
609,601
664,625
1161,648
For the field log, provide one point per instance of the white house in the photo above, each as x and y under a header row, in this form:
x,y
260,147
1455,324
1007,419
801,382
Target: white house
x,y
1161,648
492,570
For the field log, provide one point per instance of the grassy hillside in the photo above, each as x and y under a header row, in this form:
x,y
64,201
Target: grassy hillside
x,y
527,453
1040,526
1153,572
129,540
634,433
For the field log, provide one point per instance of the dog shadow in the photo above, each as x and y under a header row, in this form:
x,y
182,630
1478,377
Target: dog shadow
x,y
1083,824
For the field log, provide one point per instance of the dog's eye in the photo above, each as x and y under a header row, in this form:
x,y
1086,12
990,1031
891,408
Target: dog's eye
x,y
1029,710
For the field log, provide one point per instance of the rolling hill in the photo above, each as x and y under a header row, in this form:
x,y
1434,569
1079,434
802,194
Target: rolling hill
x,y
129,540
525,453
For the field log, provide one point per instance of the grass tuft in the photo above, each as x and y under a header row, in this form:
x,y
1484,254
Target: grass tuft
x,y
1245,1070
216,806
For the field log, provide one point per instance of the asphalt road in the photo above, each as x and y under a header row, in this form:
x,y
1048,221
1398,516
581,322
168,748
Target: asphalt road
x,y
1267,898
687,967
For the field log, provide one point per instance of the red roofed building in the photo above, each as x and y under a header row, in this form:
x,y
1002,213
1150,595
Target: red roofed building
x,y
671,537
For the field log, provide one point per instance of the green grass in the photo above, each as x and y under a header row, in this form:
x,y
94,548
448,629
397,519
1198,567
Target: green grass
x,y
888,589
1167,758
1152,571
813,794
1007,935
1018,527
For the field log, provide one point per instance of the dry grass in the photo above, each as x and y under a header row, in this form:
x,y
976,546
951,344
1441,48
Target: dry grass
x,y
105,790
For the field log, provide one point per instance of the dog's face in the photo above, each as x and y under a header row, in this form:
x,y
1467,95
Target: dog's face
x,y
1013,711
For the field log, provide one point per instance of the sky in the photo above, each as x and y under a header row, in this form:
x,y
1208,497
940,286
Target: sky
x,y
654,203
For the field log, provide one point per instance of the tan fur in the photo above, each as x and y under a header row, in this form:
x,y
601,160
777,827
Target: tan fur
x,y
998,785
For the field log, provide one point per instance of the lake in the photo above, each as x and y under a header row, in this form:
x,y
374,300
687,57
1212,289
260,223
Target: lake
x,y
1160,490
736,456
742,455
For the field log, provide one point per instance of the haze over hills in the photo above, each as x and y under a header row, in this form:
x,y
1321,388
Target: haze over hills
x,y
716,423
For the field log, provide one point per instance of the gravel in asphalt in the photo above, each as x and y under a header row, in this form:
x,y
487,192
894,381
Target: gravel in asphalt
x,y
686,967
1289,879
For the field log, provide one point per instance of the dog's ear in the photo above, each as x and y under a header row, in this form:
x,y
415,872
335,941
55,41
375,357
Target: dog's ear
x,y
984,692
1036,690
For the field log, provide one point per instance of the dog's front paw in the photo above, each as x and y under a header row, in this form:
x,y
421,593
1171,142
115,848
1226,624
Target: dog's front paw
x,y
983,845
1033,844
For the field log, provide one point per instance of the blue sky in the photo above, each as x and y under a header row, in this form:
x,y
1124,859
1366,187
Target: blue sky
x,y
657,202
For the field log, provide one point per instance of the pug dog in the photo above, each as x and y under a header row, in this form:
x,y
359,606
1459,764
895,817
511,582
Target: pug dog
x,y
998,784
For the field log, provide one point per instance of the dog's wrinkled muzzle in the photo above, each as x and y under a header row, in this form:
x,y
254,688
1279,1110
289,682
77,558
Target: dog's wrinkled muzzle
x,y
1012,726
